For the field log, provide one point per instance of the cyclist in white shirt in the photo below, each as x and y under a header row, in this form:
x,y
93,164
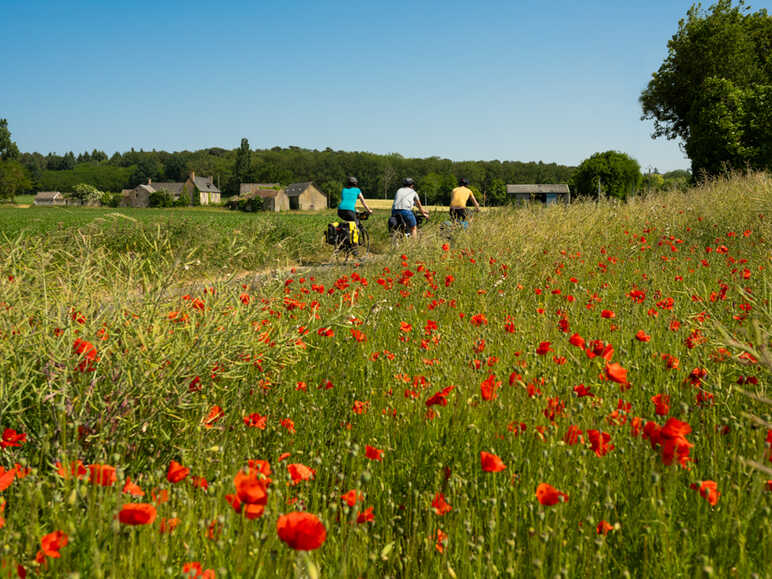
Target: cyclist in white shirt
x,y
403,205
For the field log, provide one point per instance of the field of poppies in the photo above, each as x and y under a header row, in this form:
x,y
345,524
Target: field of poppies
x,y
566,391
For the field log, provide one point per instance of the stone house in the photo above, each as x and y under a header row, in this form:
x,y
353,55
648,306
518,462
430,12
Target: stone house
x,y
544,193
204,187
306,197
274,198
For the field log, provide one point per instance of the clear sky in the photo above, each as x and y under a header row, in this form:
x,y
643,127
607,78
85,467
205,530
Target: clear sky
x,y
522,80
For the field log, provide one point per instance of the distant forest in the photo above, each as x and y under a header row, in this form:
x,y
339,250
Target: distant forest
x,y
379,175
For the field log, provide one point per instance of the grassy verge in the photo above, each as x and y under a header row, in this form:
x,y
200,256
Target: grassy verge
x,y
596,348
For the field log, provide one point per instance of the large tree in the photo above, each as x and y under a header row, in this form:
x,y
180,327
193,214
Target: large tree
x,y
8,149
713,89
612,173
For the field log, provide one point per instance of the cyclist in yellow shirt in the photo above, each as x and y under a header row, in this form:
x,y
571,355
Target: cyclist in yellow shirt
x,y
458,198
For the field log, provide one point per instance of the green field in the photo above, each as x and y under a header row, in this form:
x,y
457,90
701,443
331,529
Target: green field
x,y
613,358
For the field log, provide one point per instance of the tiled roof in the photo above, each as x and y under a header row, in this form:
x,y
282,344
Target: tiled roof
x,y
205,184
297,188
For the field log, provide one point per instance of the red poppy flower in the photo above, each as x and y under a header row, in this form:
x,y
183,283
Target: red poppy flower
x,y
176,472
603,528
301,531
549,495
607,314
405,327
661,404
101,474
254,420
488,388
573,435
11,438
366,516
6,477
137,514
440,506
358,335
616,373
576,340
479,320
351,497
300,472
50,545
599,442
87,353
77,469
642,336
215,413
581,391
250,488
168,525
708,490
490,462
440,398
543,348
373,453
130,488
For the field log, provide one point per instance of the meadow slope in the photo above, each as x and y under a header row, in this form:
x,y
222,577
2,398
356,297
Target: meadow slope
x,y
565,391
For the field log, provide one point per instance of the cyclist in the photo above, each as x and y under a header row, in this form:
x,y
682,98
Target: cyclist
x,y
458,198
348,200
402,207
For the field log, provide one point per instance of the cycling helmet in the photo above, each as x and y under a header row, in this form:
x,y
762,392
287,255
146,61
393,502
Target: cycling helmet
x,y
463,181
352,182
407,182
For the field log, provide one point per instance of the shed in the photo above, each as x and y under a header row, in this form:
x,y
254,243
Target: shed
x,y
545,193
50,198
305,196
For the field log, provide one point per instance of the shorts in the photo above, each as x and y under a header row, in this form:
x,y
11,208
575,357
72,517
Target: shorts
x,y
347,215
407,216
458,213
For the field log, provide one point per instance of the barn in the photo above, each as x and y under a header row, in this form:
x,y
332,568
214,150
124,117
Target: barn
x,y
306,197
543,193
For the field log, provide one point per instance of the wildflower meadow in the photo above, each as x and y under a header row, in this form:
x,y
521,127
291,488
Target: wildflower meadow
x,y
575,390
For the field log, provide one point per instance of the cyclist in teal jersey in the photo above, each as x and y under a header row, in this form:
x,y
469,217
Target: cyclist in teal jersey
x,y
348,201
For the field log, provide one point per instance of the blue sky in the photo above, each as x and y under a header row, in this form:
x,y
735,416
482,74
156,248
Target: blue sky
x,y
516,80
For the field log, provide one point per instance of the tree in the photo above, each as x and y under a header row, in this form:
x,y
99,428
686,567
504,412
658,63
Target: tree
x,y
13,179
8,149
612,172
713,89
241,168
87,193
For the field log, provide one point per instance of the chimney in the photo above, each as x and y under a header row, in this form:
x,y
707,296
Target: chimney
x,y
192,175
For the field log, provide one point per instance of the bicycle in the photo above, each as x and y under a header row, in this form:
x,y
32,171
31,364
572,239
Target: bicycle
x,y
399,230
453,227
344,247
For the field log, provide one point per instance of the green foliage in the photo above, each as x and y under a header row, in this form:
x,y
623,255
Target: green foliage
x,y
160,199
615,173
87,194
248,204
8,148
713,89
13,179
105,177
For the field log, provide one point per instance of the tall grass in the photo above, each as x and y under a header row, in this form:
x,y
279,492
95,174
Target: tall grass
x,y
451,309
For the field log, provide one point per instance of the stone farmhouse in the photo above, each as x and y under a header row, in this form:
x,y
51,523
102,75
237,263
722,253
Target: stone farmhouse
x,y
273,196
306,197
208,193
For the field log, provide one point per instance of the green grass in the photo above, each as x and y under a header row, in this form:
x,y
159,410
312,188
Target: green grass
x,y
263,347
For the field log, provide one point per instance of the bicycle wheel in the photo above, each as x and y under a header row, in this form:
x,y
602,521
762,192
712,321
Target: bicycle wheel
x,y
364,242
